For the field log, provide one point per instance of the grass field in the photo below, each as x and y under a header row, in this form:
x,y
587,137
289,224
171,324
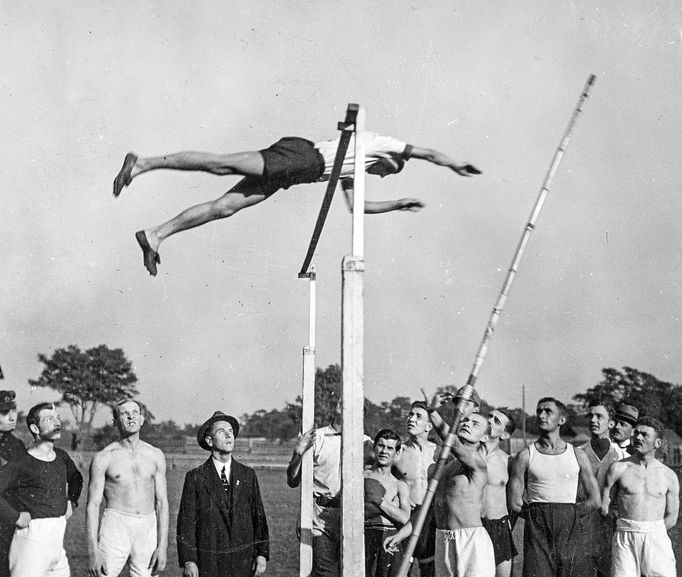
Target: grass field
x,y
281,505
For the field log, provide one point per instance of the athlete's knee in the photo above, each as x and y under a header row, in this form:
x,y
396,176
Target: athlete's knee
x,y
223,209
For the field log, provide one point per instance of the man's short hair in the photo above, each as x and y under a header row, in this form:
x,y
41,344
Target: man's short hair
x,y
116,409
558,404
655,424
419,405
603,403
33,417
510,427
389,435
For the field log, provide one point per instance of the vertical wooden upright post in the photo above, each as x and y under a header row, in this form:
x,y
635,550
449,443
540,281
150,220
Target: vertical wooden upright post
x,y
352,326
307,422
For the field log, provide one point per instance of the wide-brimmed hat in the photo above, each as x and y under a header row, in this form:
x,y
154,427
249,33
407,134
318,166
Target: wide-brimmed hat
x,y
627,413
217,416
475,398
7,401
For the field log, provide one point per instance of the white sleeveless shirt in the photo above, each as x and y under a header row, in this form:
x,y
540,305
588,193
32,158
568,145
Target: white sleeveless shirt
x,y
552,478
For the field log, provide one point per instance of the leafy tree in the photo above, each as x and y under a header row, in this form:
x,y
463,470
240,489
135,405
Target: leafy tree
x,y
87,380
653,397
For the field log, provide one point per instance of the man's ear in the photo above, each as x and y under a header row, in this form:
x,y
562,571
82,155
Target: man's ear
x,y
505,435
35,431
658,443
562,420
428,426
208,441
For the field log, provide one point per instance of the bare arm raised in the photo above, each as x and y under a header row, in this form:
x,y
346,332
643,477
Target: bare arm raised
x,y
441,159
305,441
378,207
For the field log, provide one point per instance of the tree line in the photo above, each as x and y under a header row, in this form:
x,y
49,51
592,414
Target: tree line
x,y
91,380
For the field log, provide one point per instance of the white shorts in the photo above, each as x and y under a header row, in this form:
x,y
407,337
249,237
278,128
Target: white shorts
x,y
127,537
464,553
38,550
642,548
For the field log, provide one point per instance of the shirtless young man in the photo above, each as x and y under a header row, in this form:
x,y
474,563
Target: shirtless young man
x,y
131,476
548,472
494,513
648,498
412,466
288,162
387,506
463,546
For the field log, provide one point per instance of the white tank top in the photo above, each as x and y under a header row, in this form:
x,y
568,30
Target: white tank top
x,y
552,478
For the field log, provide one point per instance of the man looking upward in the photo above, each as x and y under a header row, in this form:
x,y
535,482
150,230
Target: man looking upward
x,y
38,494
463,546
131,477
548,472
648,498
494,512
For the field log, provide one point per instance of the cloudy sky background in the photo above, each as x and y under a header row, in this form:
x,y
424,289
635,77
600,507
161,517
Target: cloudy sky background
x,y
224,323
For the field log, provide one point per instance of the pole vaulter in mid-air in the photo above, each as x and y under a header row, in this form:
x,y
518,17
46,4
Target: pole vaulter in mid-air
x,y
288,162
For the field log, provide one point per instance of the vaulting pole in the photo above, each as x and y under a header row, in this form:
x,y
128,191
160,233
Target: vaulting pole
x,y
492,322
352,338
307,423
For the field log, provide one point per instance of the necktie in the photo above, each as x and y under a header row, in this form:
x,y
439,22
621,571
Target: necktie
x,y
224,481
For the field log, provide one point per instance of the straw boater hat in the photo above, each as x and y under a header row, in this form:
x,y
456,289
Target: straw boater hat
x,y
217,416
627,413
7,401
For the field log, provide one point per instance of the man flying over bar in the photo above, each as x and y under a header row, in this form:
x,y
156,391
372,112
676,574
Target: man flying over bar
x,y
288,162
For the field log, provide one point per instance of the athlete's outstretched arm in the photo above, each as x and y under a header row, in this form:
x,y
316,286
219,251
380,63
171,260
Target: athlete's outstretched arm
x,y
378,207
462,168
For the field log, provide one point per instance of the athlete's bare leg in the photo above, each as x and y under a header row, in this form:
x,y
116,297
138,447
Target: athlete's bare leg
x,y
241,163
247,192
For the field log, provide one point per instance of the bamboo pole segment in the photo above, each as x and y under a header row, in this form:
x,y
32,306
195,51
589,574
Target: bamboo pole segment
x,y
490,328
352,338
307,423
346,129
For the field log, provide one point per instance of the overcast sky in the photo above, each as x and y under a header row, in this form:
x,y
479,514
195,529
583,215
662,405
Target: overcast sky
x,y
223,325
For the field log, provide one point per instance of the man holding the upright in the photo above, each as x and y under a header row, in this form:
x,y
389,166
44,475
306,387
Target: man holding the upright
x,y
131,477
549,471
38,493
648,499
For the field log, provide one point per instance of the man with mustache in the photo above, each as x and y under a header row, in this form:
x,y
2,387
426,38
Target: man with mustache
x,y
648,497
39,492
625,420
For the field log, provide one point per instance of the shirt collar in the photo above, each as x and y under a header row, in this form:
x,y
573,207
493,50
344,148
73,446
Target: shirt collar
x,y
219,466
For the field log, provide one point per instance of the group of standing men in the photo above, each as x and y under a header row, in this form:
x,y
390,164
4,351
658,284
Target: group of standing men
x,y
221,527
597,510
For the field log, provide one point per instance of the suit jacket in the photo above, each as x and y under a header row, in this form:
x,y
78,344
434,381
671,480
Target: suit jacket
x,y
222,533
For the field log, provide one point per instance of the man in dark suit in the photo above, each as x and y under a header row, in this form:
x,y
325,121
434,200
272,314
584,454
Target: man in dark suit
x,y
222,529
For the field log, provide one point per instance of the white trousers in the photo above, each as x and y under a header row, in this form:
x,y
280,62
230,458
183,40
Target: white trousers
x,y
38,550
642,548
464,553
127,537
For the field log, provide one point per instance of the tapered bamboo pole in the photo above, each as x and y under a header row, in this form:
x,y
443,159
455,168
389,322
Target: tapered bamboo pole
x,y
492,322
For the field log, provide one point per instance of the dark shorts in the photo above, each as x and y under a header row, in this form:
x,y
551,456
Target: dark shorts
x,y
290,161
500,532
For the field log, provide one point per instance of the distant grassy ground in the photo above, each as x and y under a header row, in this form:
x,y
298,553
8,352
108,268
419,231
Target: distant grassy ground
x,y
281,505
